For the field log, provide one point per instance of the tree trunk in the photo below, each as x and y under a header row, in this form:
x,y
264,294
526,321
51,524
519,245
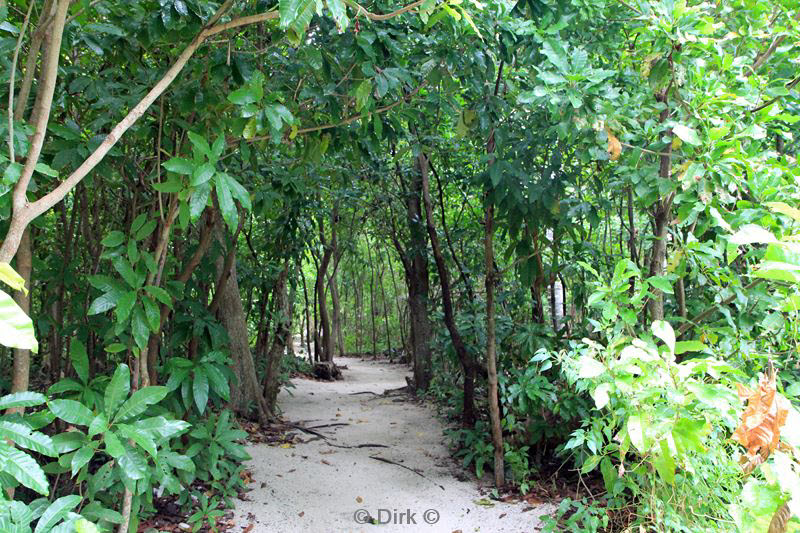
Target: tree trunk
x,y
415,265
491,349
661,213
22,358
280,339
325,321
338,345
245,391
468,366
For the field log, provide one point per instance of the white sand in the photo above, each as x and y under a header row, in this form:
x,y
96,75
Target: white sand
x,y
314,487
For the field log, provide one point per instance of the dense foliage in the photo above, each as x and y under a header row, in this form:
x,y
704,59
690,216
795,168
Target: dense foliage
x,y
576,220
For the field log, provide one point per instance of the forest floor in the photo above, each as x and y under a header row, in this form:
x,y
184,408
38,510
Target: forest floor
x,y
312,484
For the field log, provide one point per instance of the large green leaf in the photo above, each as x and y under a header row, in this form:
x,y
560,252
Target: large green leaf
x,y
139,402
226,205
80,359
23,468
117,390
22,436
134,464
56,512
162,427
22,399
71,411
200,389
10,277
16,328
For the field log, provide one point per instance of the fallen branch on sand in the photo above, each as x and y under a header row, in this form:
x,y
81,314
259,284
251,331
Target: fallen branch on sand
x,y
417,472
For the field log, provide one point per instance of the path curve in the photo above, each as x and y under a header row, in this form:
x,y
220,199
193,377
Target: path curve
x,y
314,487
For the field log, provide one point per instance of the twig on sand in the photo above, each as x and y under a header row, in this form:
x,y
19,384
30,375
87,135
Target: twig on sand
x,y
327,440
417,472
328,425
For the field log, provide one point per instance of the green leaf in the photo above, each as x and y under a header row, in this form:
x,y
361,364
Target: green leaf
x,y
199,200
133,464
125,270
238,192
339,13
152,313
686,134
554,51
218,381
202,174
636,433
104,303
665,463
146,230
200,389
23,468
98,425
80,359
71,411
785,209
139,402
114,446
69,441
84,526
22,399
56,512
201,144
125,306
113,239
139,328
81,458
752,234
688,435
159,294
226,205
591,463
689,346
589,367
179,165
16,328
22,436
661,283
162,427
601,395
141,438
117,390
42,168
663,330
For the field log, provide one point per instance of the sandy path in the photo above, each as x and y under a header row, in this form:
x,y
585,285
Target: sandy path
x,y
314,487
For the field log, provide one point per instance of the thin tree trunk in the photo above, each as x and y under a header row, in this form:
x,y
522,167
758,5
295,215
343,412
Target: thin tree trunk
x,y
468,410
491,349
325,322
658,253
20,375
279,340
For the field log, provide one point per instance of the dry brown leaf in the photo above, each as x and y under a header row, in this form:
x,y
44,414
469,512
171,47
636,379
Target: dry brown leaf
x,y
762,420
780,520
614,146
